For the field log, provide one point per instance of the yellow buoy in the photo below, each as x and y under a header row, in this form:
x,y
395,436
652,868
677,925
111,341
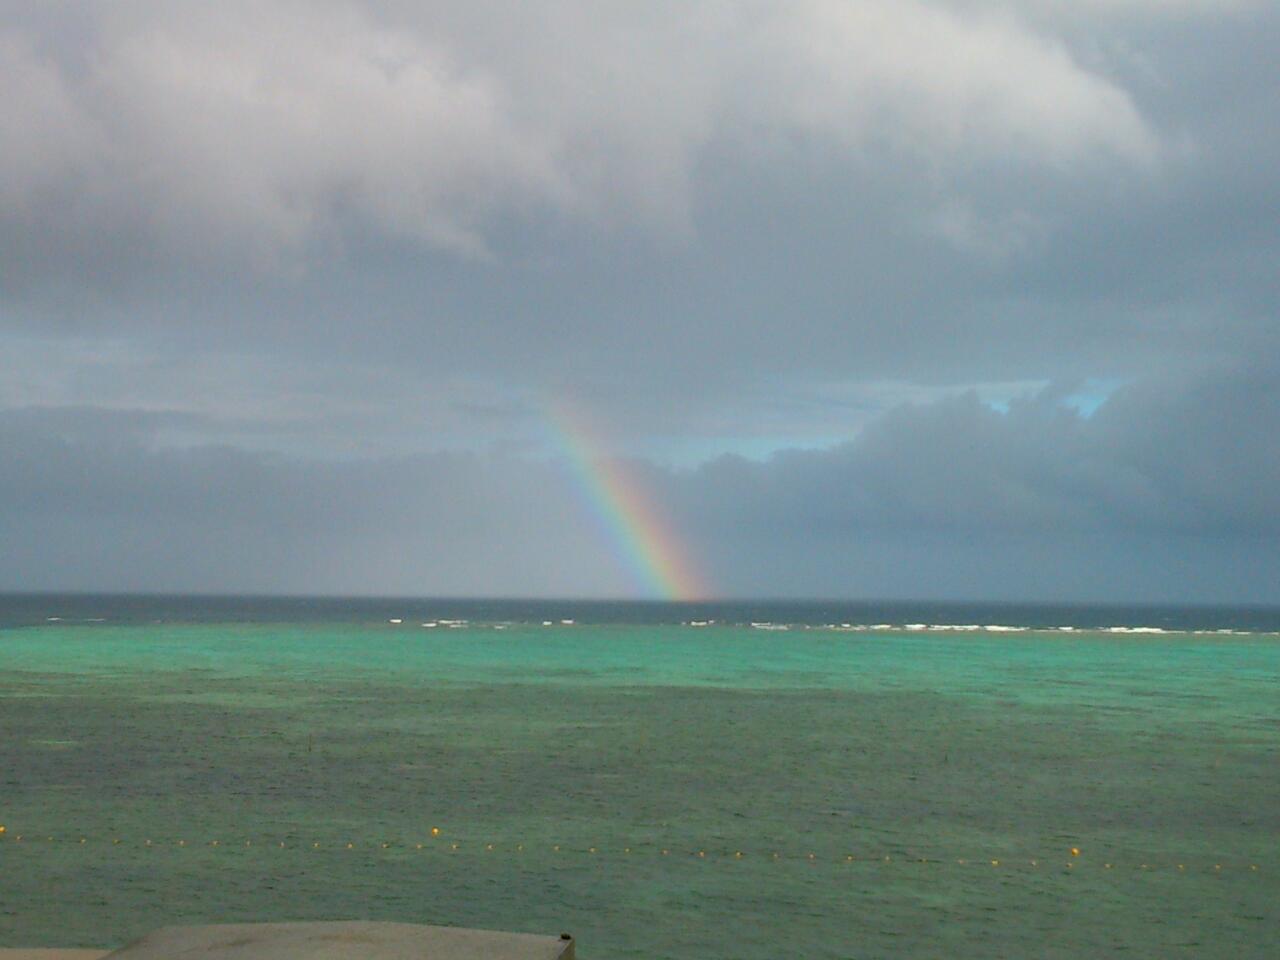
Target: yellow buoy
x,y
1075,851
435,831
1,828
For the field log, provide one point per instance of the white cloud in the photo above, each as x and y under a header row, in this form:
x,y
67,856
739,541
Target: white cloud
x,y
264,130
269,121
931,82
44,139
1146,7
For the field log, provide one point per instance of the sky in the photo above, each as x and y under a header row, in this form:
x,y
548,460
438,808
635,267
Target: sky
x,y
935,299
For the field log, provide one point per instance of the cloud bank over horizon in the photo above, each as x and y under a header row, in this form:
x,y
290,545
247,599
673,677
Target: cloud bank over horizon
x,y
936,298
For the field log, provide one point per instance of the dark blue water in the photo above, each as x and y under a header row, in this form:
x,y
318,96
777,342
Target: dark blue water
x,y
30,609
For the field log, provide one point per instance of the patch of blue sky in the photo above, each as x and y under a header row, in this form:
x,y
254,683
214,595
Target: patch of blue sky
x,y
1085,400
1091,396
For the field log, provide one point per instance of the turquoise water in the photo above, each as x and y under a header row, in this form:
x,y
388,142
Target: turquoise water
x,y
559,763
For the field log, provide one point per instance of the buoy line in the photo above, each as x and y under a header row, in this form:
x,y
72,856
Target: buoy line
x,y
1069,859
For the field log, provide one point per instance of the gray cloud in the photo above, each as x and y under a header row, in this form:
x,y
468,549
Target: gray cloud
x,y
89,503
194,128
951,498
300,282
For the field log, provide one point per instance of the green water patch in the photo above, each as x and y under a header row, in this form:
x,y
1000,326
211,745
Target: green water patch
x,y
557,782
747,766
230,698
627,906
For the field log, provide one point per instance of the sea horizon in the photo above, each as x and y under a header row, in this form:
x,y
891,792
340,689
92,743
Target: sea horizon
x,y
33,607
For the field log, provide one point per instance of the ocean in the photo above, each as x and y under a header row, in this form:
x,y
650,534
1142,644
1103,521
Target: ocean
x,y
660,780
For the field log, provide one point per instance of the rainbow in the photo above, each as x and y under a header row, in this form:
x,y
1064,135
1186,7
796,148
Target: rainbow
x,y
627,513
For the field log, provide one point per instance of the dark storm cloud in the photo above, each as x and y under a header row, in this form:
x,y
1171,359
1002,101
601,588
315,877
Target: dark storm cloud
x,y
1164,486
92,504
288,270
1156,489
1151,459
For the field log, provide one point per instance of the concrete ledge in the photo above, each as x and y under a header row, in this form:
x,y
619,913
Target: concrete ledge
x,y
340,940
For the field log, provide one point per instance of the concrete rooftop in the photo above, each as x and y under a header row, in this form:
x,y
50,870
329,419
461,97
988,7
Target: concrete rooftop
x,y
339,940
